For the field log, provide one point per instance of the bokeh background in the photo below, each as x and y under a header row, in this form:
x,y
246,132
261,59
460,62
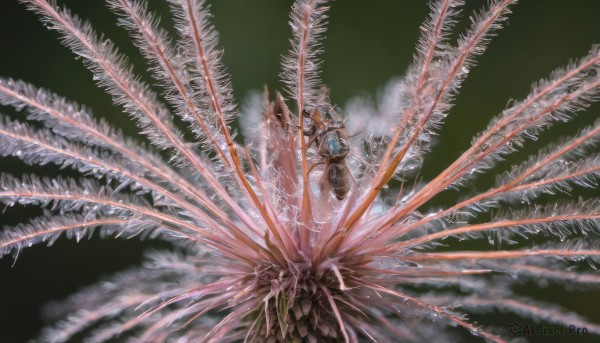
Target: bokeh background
x,y
367,44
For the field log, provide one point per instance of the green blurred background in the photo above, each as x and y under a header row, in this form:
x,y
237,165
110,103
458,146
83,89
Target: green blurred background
x,y
367,44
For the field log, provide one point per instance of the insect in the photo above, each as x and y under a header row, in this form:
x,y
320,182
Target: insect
x,y
326,129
